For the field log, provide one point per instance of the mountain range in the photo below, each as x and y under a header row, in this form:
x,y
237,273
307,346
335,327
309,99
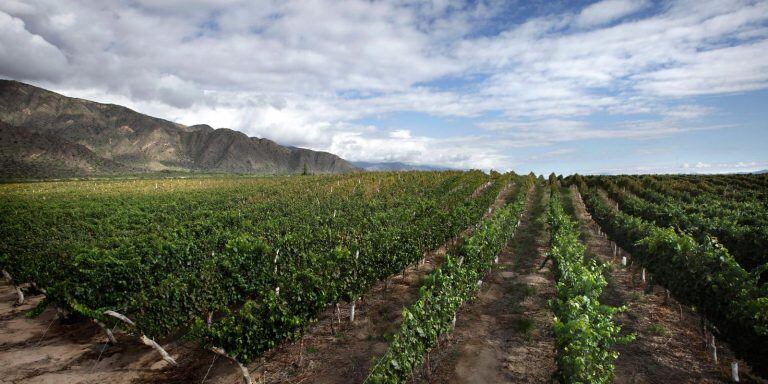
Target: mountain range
x,y
47,135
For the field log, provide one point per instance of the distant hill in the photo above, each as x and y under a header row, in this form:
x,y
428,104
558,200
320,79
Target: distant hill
x,y
44,134
760,172
396,166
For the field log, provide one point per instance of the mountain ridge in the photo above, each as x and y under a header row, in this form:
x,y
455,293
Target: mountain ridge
x,y
103,139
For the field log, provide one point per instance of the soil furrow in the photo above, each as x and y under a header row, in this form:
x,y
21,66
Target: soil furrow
x,y
505,335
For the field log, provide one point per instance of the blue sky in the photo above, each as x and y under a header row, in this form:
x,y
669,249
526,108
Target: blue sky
x,y
612,86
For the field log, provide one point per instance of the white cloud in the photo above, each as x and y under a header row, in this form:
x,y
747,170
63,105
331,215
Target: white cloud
x,y
63,20
400,134
27,55
724,70
607,11
547,132
700,167
555,154
17,7
457,152
688,111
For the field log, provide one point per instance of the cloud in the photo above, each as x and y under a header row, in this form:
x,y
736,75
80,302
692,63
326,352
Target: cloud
x,y
458,152
688,111
547,132
607,11
699,167
724,70
557,153
17,7
400,134
27,55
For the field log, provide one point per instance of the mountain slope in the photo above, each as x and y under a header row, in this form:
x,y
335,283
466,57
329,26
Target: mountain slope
x,y
26,154
125,140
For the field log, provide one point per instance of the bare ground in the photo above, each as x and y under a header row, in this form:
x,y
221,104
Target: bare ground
x,y
669,347
505,335
44,350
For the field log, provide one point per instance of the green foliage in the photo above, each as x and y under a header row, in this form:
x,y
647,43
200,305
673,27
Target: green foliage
x,y
698,272
584,329
740,224
443,292
263,255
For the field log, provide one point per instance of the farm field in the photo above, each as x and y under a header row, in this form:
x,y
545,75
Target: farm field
x,y
383,192
385,277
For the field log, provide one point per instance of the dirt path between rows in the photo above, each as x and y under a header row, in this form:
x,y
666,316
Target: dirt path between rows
x,y
668,348
505,335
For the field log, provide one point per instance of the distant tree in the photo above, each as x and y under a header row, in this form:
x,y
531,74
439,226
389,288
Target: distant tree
x,y
306,169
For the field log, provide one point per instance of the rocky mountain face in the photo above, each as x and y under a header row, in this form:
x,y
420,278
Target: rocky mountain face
x,y
44,134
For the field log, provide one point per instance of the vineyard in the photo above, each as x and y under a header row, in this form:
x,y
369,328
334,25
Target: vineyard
x,y
386,277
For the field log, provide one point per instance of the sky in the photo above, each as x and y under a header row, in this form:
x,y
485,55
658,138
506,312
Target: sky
x,y
613,86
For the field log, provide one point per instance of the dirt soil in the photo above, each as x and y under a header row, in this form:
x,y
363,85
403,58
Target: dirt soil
x,y
505,335
45,350
669,348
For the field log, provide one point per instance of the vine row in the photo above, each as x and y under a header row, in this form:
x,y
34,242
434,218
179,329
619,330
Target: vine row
x,y
698,273
584,328
444,291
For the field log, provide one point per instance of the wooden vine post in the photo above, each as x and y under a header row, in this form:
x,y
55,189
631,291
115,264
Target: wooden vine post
x,y
338,313
108,331
277,255
243,368
151,343
353,300
144,339
19,293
